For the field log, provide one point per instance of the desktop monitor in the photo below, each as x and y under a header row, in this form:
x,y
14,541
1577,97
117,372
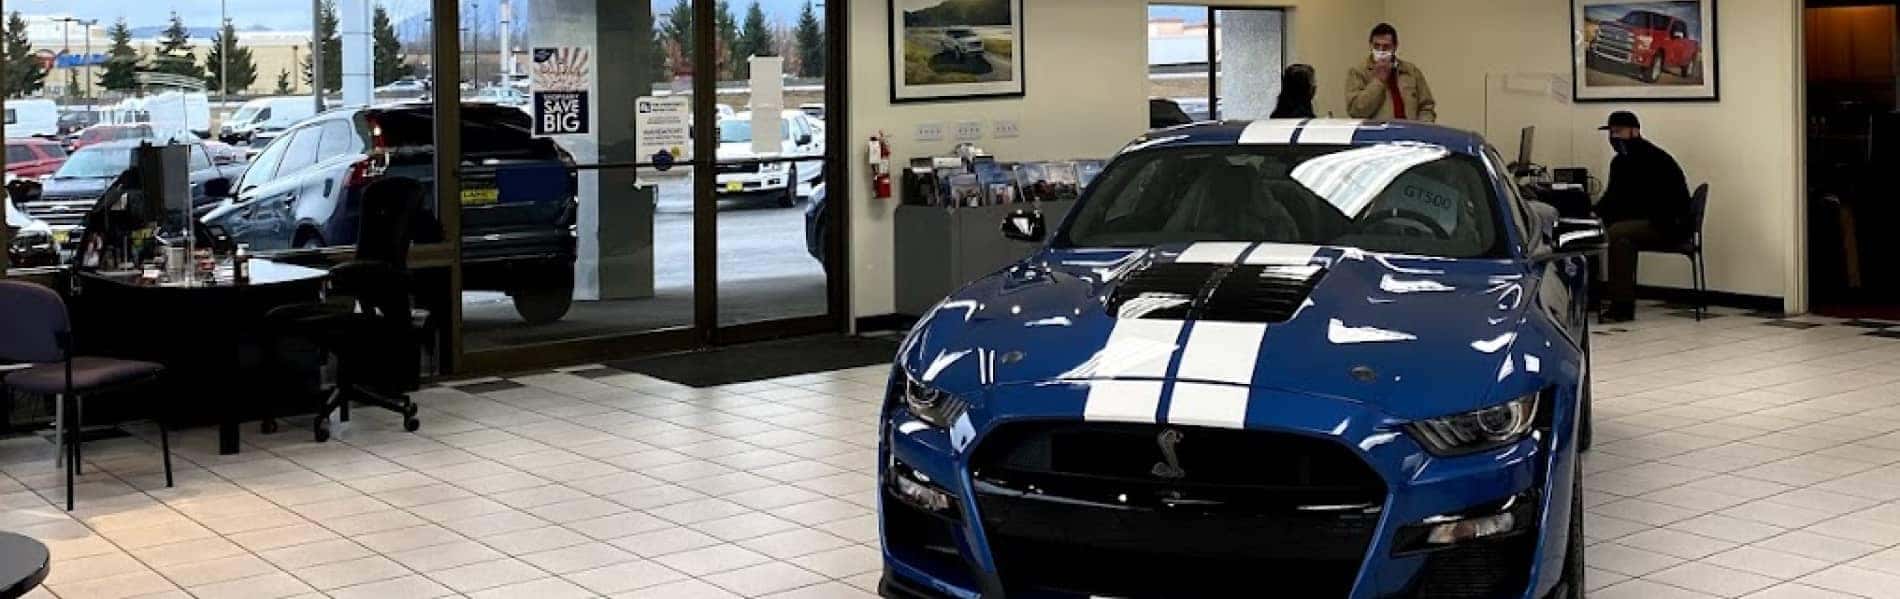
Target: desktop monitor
x,y
1526,140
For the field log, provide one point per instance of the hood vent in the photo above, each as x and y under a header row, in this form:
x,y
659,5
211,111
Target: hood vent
x,y
1162,291
1269,294
1223,292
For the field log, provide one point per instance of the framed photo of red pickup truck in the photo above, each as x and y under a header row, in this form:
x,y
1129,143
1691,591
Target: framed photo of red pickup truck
x,y
1635,50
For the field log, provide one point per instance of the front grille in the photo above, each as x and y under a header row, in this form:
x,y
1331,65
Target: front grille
x,y
1100,509
59,212
1480,570
725,168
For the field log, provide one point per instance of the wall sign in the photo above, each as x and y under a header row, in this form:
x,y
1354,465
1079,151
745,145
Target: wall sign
x,y
662,128
563,78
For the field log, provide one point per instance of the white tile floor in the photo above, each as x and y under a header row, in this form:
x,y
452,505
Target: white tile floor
x,y
1736,458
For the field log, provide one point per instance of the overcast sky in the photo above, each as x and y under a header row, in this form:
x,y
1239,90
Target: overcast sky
x,y
294,14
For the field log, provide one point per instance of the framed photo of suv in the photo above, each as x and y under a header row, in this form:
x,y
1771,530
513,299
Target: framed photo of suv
x,y
956,49
1637,50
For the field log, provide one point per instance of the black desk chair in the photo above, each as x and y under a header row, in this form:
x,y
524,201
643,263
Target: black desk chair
x,y
1692,249
369,324
39,332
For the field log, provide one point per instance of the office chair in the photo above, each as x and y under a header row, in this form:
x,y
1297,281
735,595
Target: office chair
x,y
1692,249
39,332
368,322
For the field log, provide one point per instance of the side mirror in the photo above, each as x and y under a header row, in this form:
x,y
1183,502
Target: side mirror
x,y
24,191
1677,34
804,139
218,188
1578,237
1025,225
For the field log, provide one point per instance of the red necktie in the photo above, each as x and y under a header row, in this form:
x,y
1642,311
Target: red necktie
x,y
1392,89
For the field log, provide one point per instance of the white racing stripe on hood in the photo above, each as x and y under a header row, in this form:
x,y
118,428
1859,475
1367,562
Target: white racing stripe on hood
x,y
1122,401
1281,254
1274,132
1203,404
1213,252
1222,352
1138,348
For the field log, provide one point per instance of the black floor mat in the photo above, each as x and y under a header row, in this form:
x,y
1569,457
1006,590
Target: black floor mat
x,y
760,361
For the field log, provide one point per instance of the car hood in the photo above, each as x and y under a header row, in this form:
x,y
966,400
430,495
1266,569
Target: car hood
x,y
742,151
1414,337
74,188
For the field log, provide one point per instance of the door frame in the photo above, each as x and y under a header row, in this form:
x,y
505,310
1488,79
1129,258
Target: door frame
x,y
705,331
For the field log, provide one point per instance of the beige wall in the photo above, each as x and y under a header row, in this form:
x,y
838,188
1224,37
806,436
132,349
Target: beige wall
x,y
1745,146
1087,96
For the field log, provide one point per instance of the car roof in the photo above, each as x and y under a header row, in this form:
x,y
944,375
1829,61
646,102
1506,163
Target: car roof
x,y
127,144
1341,132
31,141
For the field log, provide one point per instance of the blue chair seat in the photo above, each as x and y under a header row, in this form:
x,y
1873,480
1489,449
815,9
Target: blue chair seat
x,y
90,375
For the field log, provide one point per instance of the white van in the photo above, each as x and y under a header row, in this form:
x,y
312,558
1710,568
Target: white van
x,y
265,115
32,118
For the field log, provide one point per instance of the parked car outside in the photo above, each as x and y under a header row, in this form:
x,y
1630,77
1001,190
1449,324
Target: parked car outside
x,y
799,138
304,191
29,240
1647,43
97,134
816,226
32,157
76,187
1282,358
32,117
73,120
265,117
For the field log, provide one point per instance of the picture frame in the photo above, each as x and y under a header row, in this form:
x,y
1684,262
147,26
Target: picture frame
x,y
1645,51
951,50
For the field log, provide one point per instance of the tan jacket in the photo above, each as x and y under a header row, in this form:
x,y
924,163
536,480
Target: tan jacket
x,y
1366,99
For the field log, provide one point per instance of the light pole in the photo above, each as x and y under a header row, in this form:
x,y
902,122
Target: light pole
x,y
65,40
224,57
88,60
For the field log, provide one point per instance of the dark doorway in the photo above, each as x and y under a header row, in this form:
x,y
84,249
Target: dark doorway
x,y
1852,58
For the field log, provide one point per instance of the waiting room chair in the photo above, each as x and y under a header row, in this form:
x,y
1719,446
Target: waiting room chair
x,y
368,324
1692,249
39,332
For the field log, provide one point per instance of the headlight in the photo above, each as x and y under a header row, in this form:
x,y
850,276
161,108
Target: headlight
x,y
933,406
1472,432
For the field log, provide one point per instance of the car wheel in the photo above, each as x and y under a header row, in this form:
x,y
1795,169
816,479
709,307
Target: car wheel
x,y
1693,69
1655,70
307,239
1574,582
543,306
1586,427
791,188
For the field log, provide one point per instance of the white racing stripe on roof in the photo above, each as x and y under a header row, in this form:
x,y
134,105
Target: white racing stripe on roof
x,y
1213,252
1222,352
1204,404
1281,254
1122,401
1330,132
1273,132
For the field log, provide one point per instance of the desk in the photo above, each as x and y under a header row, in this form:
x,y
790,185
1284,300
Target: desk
x,y
209,335
24,564
1570,201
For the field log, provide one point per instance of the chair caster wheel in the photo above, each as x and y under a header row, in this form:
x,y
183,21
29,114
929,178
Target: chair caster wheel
x,y
409,412
411,425
268,427
323,430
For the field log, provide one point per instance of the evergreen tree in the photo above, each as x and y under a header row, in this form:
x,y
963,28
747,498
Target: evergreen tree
x,y
174,54
656,51
242,67
755,40
389,59
122,61
332,50
283,82
24,74
74,89
811,43
678,26
731,66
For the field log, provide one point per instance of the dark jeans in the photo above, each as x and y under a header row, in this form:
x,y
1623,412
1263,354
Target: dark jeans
x,y
1627,239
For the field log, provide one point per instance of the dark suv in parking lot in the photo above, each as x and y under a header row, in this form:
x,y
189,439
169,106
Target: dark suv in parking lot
x,y
305,189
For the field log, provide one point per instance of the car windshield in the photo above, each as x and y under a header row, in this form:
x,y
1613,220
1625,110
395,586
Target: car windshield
x,y
739,131
95,163
1636,19
246,114
1405,198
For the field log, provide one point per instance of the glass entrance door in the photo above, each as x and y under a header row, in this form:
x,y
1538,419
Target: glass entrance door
x,y
678,146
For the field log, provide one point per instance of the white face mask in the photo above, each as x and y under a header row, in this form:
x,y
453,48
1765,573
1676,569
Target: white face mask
x,y
1383,55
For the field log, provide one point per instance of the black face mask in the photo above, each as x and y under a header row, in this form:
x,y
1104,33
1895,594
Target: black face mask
x,y
1620,145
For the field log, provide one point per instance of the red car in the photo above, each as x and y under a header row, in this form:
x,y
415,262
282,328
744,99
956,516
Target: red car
x,y
1648,42
104,133
32,158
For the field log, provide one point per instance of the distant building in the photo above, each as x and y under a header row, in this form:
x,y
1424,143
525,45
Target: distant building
x,y
272,51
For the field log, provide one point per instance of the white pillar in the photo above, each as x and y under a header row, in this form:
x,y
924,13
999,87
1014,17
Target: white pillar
x,y
359,55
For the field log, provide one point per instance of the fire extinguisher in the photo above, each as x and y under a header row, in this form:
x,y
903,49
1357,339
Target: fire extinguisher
x,y
880,154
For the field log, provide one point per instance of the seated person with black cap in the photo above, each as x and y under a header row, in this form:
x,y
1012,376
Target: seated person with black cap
x,y
1645,208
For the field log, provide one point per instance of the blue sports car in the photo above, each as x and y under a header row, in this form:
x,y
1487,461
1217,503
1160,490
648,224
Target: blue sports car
x,y
1272,359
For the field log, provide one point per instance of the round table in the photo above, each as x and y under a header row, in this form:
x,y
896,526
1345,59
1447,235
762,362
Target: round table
x,y
24,563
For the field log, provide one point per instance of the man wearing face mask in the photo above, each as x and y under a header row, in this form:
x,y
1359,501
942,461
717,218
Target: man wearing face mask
x,y
1387,88
1645,207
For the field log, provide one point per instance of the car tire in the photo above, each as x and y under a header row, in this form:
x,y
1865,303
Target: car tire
x,y
790,199
1692,70
1653,72
1586,423
544,306
307,239
1575,572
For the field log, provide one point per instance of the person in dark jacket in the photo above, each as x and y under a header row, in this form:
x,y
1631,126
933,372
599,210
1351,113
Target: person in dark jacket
x,y
1645,208
1297,88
